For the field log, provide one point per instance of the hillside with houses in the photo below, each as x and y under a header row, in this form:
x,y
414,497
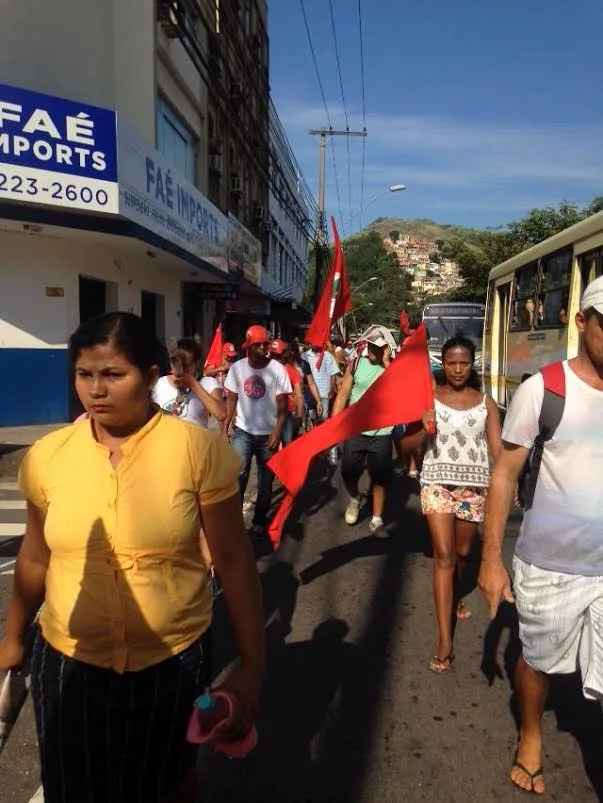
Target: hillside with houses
x,y
418,246
419,256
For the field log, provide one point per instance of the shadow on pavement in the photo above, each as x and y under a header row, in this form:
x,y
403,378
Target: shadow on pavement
x,y
576,715
10,548
322,697
8,448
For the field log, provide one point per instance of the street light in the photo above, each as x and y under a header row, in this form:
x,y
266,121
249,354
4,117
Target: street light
x,y
360,286
391,188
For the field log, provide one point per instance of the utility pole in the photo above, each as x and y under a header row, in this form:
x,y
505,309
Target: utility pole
x,y
319,243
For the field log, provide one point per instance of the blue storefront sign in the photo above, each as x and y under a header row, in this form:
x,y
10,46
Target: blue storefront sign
x,y
161,200
57,152
158,198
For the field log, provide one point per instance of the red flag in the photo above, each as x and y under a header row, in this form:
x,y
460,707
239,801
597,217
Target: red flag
x,y
404,323
335,301
400,395
215,355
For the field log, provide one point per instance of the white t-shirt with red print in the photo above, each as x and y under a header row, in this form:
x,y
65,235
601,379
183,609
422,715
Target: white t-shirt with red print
x,y
184,404
257,390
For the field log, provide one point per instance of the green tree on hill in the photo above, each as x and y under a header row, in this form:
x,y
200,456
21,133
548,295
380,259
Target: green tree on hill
x,y
491,248
382,300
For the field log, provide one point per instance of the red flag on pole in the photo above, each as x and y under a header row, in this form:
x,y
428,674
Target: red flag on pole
x,y
404,323
400,395
215,355
335,301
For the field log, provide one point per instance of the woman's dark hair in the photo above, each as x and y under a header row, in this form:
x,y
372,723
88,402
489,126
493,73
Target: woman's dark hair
x,y
460,342
127,333
190,345
289,355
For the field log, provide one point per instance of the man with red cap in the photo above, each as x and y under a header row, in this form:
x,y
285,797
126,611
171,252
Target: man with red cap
x,y
229,356
258,389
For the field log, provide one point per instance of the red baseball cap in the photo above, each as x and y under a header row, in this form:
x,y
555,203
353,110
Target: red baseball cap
x,y
229,350
256,334
278,347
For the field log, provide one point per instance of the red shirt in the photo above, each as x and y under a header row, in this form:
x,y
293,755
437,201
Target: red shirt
x,y
295,379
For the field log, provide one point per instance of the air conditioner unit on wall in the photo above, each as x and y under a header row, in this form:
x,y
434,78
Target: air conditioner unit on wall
x,y
259,212
268,226
215,162
236,184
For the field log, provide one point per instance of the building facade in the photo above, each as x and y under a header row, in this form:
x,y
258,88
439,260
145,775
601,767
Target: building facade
x,y
285,271
134,174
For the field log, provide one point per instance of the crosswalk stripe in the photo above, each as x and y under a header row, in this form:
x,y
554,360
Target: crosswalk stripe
x,y
13,504
12,529
7,563
9,485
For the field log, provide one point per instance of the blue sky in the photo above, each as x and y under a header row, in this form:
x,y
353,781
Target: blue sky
x,y
483,108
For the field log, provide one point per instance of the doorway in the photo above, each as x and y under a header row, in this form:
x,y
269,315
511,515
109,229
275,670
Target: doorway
x,y
96,297
152,312
93,298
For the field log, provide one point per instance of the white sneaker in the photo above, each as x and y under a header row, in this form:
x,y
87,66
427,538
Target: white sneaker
x,y
352,512
376,527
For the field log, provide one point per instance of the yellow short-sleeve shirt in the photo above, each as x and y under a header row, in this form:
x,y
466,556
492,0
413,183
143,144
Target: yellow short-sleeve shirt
x,y
126,586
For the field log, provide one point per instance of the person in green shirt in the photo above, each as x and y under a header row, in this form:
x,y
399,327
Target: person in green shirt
x,y
372,449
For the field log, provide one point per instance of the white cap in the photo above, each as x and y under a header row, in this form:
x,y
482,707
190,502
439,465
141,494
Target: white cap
x,y
379,336
378,341
593,296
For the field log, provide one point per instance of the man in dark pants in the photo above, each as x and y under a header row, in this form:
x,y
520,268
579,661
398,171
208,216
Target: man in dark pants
x,y
372,448
258,389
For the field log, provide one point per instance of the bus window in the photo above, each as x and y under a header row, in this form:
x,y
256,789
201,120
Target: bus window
x,y
524,302
554,289
591,267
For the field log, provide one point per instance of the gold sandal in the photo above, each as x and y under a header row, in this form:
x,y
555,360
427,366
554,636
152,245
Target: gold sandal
x,y
441,666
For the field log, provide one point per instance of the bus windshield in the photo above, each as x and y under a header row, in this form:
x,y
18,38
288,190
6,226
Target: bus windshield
x,y
441,329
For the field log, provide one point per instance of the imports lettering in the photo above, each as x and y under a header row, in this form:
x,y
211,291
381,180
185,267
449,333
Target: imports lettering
x,y
69,140
164,188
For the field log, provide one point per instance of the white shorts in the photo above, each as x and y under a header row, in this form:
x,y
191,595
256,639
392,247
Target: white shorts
x,y
561,623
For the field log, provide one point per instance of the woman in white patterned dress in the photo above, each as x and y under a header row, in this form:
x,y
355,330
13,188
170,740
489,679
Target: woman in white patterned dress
x,y
454,482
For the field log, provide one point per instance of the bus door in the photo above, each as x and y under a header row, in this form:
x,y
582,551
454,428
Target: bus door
x,y
504,303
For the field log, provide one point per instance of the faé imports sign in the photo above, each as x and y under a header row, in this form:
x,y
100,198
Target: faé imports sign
x,y
57,152
244,251
158,198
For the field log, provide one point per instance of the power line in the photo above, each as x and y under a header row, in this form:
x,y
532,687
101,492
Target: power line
x,y
324,100
363,84
345,108
337,185
314,59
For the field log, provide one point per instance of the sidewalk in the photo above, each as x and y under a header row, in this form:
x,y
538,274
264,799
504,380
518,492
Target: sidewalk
x,y
14,442
26,436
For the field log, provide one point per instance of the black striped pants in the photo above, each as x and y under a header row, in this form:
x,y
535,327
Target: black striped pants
x,y
110,738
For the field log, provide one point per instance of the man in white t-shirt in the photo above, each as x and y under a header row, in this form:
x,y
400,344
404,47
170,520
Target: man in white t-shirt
x,y
558,563
324,377
258,390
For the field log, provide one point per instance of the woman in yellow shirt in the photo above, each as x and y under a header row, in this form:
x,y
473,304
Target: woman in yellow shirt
x,y
115,507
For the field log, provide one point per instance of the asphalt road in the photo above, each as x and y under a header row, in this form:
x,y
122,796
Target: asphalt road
x,y
350,710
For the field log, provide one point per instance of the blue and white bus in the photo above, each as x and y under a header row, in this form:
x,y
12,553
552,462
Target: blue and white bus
x,y
450,319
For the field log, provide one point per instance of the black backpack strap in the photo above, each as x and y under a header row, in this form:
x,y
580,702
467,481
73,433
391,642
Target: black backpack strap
x,y
551,413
